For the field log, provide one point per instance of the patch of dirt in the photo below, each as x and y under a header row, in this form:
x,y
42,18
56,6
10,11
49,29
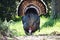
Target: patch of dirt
x,y
32,37
38,38
53,36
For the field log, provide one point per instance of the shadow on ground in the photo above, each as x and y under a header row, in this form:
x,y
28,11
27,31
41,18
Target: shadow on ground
x,y
49,23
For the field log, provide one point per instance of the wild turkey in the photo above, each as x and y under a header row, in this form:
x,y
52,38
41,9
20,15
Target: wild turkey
x,y
31,22
30,18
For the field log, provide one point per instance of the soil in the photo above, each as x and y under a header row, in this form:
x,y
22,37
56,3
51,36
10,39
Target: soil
x,y
32,37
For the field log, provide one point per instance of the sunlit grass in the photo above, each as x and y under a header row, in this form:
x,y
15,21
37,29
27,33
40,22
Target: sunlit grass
x,y
18,27
43,20
19,31
49,29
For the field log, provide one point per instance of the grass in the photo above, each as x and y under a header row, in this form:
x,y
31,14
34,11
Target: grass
x,y
17,27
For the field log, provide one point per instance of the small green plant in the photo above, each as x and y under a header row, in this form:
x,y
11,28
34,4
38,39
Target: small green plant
x,y
4,28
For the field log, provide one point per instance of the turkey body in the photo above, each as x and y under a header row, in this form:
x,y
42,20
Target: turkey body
x,y
31,21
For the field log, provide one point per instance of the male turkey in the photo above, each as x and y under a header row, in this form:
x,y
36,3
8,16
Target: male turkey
x,y
30,10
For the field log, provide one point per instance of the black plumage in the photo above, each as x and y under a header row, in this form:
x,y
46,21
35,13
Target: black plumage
x,y
31,22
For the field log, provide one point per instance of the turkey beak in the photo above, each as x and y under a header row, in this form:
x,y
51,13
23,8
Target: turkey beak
x,y
30,30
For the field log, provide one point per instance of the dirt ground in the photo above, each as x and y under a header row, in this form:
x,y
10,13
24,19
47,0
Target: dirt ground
x,y
39,38
32,37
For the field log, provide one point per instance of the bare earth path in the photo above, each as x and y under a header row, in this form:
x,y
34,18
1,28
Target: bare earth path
x,y
35,38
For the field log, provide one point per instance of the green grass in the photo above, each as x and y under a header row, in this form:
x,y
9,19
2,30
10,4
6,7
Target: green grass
x,y
48,29
18,30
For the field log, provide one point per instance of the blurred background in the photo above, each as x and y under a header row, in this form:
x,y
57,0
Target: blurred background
x,y
11,24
